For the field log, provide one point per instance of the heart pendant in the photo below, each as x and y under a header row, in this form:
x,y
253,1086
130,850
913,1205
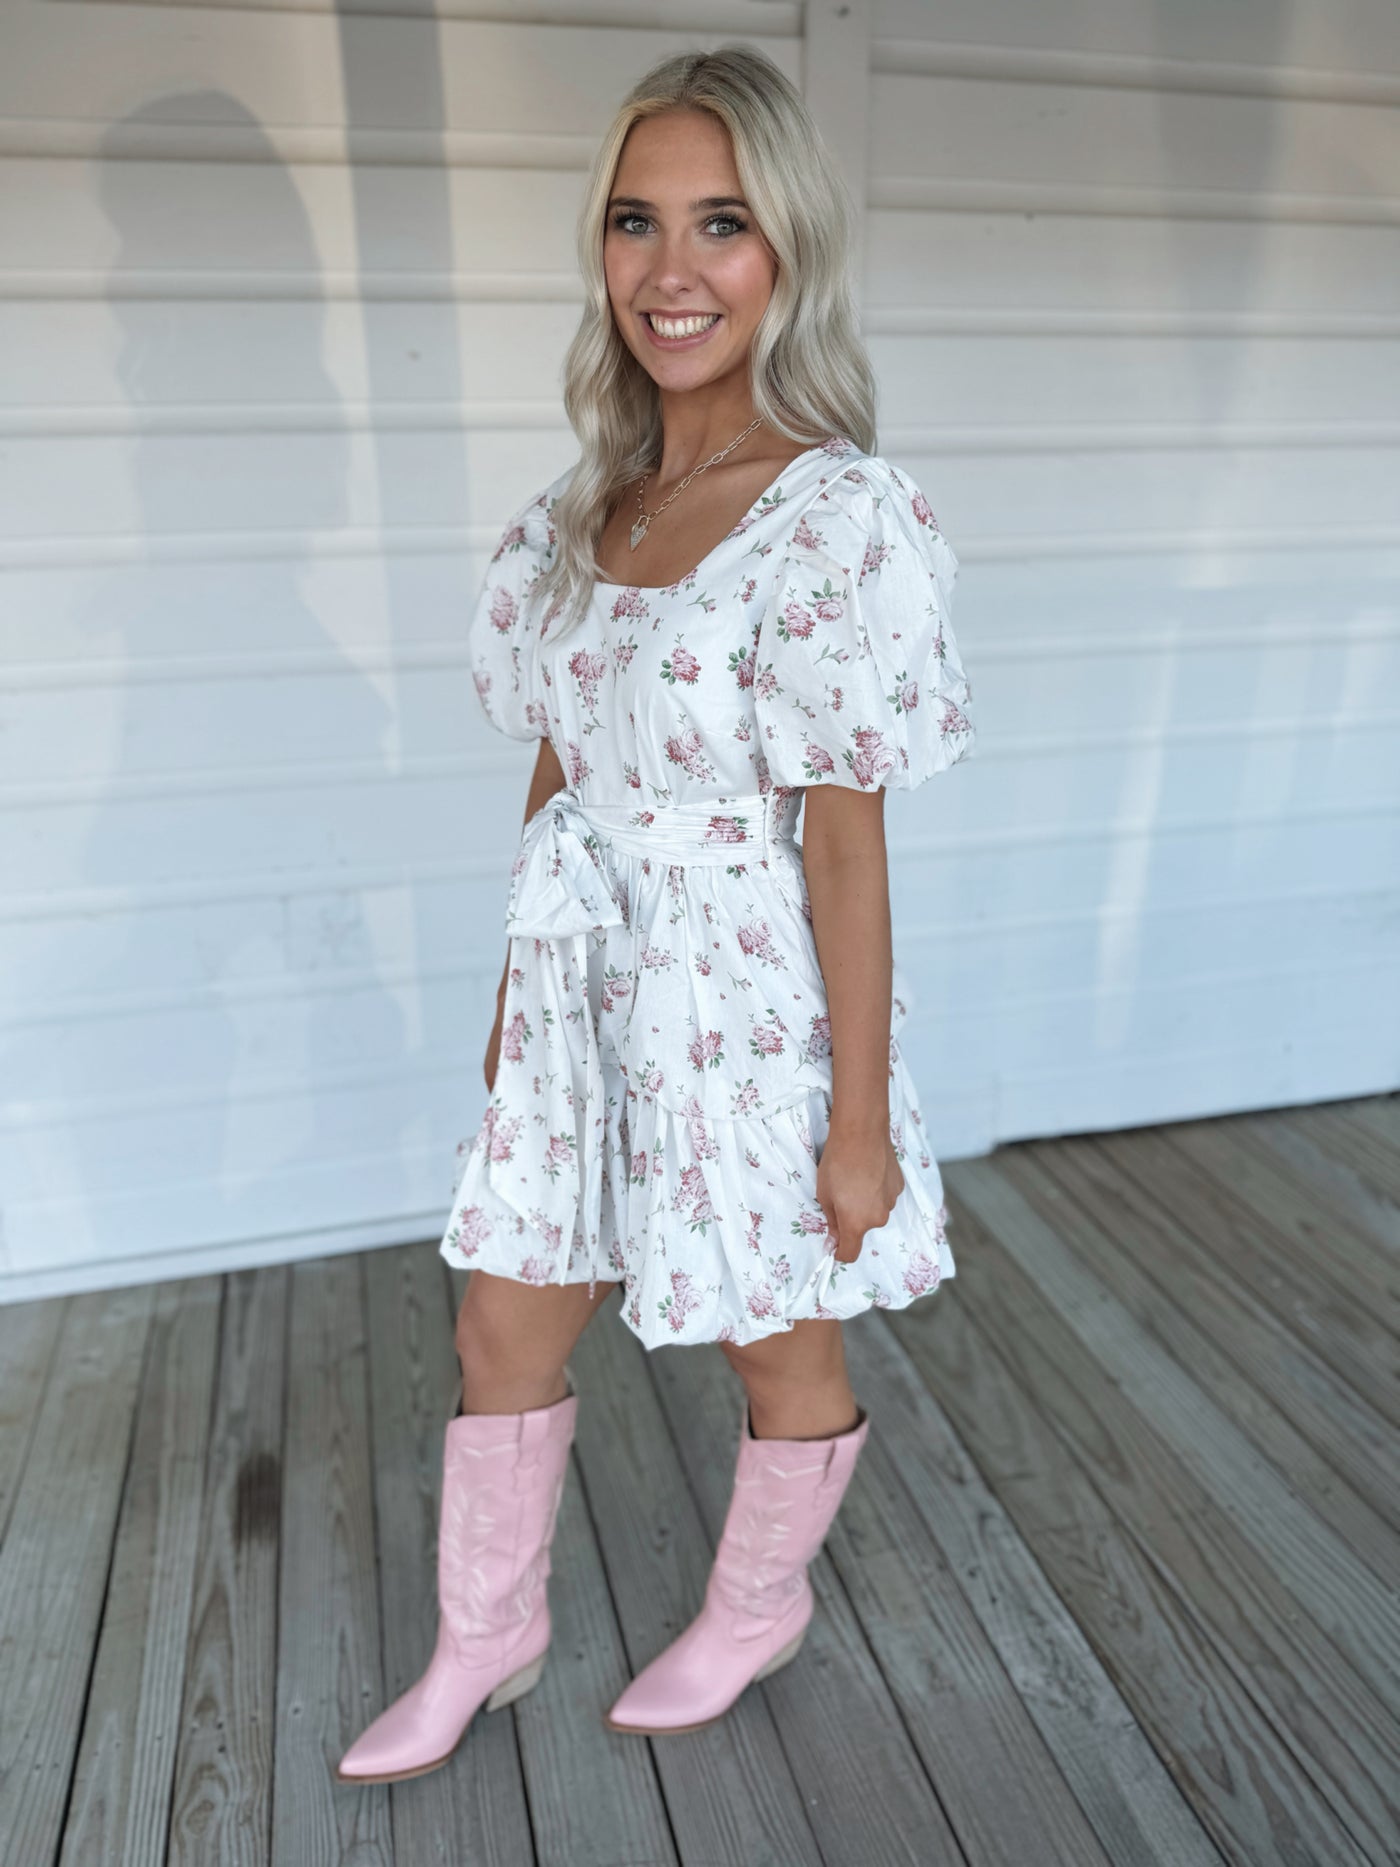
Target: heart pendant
x,y
639,532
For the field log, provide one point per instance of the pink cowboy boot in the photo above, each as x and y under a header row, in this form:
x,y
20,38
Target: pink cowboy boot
x,y
758,1599
503,1477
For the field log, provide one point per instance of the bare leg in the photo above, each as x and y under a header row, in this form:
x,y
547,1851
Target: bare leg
x,y
513,1340
796,1381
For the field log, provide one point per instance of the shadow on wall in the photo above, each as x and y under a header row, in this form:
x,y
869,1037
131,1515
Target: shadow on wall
x,y
239,1020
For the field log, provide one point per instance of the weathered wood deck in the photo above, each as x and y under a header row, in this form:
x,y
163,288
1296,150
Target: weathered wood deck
x,y
1116,1581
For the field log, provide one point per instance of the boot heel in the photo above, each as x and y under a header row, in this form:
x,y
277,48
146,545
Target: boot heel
x,y
782,1657
517,1685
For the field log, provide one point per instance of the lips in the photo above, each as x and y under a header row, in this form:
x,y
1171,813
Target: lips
x,y
693,328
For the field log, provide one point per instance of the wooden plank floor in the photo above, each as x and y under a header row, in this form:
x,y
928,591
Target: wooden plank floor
x,y
1117,1581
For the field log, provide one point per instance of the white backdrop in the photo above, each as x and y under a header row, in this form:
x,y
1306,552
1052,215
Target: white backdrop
x,y
283,301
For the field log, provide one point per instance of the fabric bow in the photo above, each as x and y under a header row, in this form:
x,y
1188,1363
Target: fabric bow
x,y
560,891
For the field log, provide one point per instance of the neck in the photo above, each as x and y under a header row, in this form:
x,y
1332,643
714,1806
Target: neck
x,y
692,433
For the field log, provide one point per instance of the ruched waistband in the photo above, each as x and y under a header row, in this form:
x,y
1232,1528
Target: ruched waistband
x,y
707,831
560,880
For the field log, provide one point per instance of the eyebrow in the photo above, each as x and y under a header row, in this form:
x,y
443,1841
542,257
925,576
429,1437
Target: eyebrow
x,y
709,201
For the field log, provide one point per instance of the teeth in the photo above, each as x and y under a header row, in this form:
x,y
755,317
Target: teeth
x,y
680,327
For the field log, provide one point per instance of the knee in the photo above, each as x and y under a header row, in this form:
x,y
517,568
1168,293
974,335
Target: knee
x,y
486,1347
811,1354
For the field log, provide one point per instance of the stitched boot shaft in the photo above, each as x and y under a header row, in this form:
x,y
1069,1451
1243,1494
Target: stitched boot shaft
x,y
786,1495
758,1597
502,1481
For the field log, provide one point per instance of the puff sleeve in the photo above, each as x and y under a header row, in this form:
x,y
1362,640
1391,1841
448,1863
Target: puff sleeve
x,y
857,677
502,634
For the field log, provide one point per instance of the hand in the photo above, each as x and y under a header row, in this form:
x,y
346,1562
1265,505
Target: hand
x,y
859,1178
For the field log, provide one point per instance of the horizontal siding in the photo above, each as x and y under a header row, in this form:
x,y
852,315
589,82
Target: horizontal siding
x,y
280,351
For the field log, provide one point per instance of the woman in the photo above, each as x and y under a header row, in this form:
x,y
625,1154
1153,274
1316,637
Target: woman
x,y
726,605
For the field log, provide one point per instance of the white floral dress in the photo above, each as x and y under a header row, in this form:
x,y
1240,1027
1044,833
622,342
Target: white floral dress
x,y
664,1084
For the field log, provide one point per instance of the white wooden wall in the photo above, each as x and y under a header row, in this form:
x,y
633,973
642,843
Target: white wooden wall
x,y
283,297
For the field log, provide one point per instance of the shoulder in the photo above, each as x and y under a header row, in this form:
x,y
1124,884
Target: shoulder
x,y
869,492
530,528
866,517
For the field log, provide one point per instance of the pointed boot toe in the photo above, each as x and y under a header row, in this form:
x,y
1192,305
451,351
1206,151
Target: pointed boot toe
x,y
503,1478
758,1598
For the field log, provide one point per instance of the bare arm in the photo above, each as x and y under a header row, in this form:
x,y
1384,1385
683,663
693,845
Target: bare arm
x,y
843,847
547,778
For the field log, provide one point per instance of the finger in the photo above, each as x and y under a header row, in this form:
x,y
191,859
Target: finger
x,y
848,1250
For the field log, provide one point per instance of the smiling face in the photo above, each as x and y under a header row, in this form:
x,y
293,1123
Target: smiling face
x,y
682,245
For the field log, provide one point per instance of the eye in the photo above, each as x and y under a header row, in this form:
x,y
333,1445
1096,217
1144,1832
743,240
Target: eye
x,y
621,219
731,220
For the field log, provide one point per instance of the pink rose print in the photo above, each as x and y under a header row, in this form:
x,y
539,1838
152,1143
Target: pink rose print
x,y
872,757
533,1271
587,669
616,987
765,1040
747,1099
707,1047
905,697
795,623
920,1274
504,609
765,683
700,1138
751,1236
630,606
686,749
511,541
727,830
683,1299
637,1173
756,940
654,958
819,1039
817,761
811,1223
954,720
875,556
923,511
501,1133
741,666
470,1232
680,665
694,1193
761,1302
558,1153
575,764
514,1037
830,606
805,538
622,654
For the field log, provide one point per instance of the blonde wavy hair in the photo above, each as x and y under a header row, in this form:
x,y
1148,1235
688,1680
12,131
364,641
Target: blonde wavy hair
x,y
810,375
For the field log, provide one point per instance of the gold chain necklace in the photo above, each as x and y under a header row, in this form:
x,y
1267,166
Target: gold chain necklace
x,y
639,529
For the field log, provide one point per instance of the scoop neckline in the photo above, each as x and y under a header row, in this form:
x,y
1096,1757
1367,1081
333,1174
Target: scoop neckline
x,y
659,589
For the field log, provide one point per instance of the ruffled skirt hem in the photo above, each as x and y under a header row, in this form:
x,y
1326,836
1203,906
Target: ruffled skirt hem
x,y
712,1226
